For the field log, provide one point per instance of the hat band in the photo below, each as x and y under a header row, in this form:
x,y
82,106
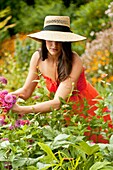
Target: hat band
x,y
57,28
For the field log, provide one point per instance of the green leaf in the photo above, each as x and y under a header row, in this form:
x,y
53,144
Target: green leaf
x,y
48,132
111,139
89,150
19,162
4,12
45,148
43,166
103,146
2,153
61,137
31,168
77,162
99,165
60,140
4,144
89,162
4,22
107,168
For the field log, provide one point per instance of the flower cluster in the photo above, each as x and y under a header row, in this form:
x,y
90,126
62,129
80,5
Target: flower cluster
x,y
3,80
6,100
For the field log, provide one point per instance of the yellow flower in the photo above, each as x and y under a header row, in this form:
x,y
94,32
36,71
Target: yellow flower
x,y
94,80
111,78
99,53
107,53
99,79
103,58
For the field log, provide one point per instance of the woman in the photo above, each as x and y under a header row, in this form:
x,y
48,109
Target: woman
x,y
61,68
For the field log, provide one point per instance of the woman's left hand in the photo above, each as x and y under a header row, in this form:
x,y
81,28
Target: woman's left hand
x,y
17,108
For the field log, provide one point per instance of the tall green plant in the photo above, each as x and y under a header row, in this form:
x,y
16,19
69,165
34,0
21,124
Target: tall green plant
x,y
4,26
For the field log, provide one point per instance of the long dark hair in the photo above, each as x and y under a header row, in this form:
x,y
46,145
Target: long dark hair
x,y
64,61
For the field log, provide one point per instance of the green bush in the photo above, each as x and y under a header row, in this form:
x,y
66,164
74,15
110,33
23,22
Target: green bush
x,y
91,18
31,18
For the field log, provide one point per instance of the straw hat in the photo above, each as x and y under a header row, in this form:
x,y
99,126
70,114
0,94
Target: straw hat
x,y
57,28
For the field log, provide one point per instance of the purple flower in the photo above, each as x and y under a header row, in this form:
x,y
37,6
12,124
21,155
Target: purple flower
x,y
14,99
108,110
5,139
3,80
11,127
20,123
3,92
8,106
8,98
7,165
2,122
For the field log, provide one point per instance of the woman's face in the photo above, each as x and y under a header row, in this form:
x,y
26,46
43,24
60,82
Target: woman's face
x,y
54,48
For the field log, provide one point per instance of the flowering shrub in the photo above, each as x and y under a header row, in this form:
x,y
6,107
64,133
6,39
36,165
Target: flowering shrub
x,y
98,56
109,12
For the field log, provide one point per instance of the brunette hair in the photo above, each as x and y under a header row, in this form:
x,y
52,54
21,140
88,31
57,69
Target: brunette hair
x,y
65,60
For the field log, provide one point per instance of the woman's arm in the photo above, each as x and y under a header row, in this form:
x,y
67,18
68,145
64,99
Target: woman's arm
x,y
29,86
63,91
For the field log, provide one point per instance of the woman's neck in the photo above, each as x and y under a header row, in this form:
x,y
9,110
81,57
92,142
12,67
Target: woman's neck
x,y
53,58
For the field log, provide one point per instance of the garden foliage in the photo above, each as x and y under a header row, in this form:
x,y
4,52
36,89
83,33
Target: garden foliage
x,y
44,141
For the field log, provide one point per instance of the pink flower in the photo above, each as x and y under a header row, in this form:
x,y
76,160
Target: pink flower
x,y
2,122
9,98
108,110
20,123
35,97
11,127
6,100
3,92
3,80
14,99
8,105
5,139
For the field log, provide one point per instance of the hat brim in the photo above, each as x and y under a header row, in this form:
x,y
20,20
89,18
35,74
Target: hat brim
x,y
56,36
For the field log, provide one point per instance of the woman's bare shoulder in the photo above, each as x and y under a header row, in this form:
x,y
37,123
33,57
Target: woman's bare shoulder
x,y
35,57
76,58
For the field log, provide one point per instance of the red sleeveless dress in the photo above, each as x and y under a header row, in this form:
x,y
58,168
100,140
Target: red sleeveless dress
x,y
84,90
